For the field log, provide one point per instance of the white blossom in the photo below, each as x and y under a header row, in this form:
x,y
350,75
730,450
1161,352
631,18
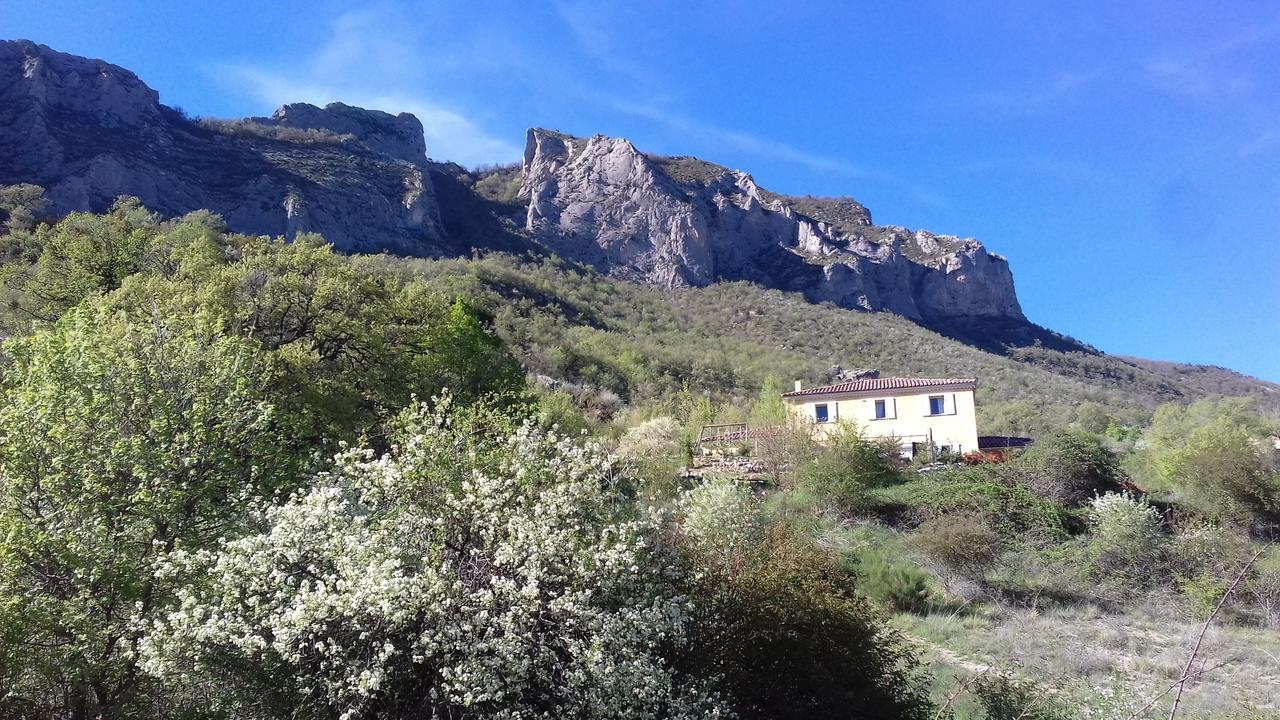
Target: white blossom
x,y
497,577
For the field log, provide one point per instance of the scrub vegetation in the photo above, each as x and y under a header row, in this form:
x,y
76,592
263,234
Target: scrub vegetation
x,y
248,478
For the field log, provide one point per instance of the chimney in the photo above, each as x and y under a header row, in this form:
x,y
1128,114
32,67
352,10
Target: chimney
x,y
798,386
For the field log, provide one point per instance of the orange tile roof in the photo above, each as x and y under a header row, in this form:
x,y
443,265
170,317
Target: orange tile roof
x,y
873,384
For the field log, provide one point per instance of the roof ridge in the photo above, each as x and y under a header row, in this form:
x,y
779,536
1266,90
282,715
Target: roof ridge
x,y
888,383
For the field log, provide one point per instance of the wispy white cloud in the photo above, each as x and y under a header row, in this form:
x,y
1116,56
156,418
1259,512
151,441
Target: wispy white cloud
x,y
594,27
372,60
1045,97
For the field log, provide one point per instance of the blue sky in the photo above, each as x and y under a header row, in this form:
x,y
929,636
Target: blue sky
x,y
1125,157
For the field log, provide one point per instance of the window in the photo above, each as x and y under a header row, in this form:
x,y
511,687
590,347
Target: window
x,y
881,410
820,413
937,405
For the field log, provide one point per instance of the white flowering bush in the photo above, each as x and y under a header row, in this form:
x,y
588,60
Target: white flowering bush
x,y
473,570
655,438
720,517
1123,518
1126,542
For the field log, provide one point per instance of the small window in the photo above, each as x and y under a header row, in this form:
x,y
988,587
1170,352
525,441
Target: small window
x,y
820,413
881,411
937,405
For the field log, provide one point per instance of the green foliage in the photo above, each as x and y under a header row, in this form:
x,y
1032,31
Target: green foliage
x,y
1126,546
1012,511
768,409
20,206
656,450
779,622
84,254
1005,696
354,344
848,467
557,411
1067,467
898,585
1220,471
119,443
1203,591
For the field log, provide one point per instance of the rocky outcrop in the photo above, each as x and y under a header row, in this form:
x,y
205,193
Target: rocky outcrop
x,y
680,222
89,131
398,136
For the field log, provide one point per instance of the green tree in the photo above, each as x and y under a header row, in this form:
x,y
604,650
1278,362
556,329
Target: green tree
x,y
1221,472
1214,456
84,254
120,442
20,206
476,362
848,467
354,343
779,624
768,409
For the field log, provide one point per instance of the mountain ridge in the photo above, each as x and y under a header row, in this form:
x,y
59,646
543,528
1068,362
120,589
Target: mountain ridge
x,y
89,131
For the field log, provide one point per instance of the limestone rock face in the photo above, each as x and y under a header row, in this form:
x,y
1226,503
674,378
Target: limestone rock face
x,y
680,222
398,136
89,131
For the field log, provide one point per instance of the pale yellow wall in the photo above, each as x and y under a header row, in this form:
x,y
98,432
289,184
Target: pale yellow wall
x,y
908,416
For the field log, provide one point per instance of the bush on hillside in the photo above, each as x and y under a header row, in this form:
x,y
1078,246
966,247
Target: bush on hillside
x,y
960,549
848,467
1261,591
474,570
656,438
1012,511
1221,472
1005,696
1127,544
899,585
779,621
1066,467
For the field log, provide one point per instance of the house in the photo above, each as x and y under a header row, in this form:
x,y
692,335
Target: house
x,y
924,414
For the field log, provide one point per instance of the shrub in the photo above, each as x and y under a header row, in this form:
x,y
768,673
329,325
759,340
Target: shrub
x,y
657,438
1221,473
1066,467
959,548
848,467
1126,542
1006,697
1012,511
901,585
472,570
1261,590
779,622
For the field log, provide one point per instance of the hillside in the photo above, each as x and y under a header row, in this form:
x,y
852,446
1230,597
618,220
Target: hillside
x,y
514,440
672,270
642,343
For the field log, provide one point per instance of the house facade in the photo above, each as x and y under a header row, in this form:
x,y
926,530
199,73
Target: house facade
x,y
921,413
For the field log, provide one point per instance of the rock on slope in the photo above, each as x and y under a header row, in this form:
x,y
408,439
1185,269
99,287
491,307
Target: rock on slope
x,y
89,131
681,221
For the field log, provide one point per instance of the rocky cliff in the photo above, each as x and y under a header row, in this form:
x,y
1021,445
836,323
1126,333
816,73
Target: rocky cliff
x,y
682,221
89,131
